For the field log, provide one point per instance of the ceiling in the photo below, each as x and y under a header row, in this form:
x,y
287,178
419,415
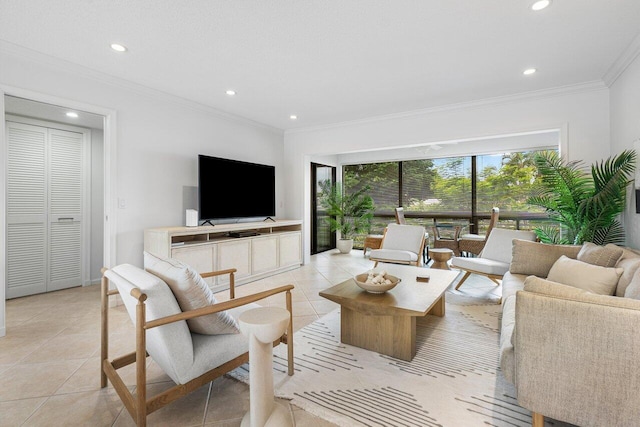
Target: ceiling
x,y
330,61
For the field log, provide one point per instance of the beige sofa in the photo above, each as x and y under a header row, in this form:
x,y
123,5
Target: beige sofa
x,y
572,349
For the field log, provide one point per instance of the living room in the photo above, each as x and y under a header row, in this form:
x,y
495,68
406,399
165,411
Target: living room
x,y
154,132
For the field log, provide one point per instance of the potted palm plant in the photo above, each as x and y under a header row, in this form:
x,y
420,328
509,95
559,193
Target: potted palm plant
x,y
587,207
349,214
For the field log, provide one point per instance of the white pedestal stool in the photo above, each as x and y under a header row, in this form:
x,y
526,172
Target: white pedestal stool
x,y
263,326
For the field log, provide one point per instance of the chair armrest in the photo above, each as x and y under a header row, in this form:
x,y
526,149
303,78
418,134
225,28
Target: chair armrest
x,y
221,306
576,356
232,281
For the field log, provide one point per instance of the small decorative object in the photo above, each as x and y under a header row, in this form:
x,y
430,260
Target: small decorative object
x,y
376,282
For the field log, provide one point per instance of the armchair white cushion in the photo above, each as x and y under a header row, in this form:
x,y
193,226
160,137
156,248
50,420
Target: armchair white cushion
x,y
495,258
401,244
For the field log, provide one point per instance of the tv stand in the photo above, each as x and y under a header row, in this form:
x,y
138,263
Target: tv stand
x,y
208,221
261,249
269,218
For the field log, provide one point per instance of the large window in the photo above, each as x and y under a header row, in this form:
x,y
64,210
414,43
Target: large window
x,y
464,187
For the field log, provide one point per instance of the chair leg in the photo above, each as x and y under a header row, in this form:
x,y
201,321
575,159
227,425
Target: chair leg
x,y
537,420
375,265
465,277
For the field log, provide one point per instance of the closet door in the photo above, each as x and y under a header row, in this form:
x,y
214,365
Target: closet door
x,y
65,209
44,209
26,210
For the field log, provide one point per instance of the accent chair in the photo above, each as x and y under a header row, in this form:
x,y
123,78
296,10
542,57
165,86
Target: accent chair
x,y
163,332
494,260
401,244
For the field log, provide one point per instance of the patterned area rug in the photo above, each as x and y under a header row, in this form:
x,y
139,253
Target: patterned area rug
x,y
453,380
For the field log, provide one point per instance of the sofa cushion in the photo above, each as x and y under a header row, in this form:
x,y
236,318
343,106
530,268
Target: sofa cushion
x,y
511,283
629,262
633,290
191,292
593,278
535,258
605,256
507,355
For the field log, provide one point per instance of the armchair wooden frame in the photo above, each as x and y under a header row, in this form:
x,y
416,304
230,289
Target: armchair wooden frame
x,y
138,405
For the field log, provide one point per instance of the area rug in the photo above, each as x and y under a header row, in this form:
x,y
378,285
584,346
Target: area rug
x,y
453,380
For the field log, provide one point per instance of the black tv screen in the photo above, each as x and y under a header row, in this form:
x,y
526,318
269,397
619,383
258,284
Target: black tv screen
x,y
235,189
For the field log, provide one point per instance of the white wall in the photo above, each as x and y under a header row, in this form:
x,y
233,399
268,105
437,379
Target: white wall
x,y
625,129
580,114
158,139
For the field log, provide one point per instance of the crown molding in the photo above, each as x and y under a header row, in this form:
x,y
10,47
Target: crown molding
x,y
495,101
73,68
624,60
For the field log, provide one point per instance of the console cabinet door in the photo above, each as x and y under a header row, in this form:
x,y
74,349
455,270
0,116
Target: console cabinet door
x,y
198,257
264,254
290,249
234,254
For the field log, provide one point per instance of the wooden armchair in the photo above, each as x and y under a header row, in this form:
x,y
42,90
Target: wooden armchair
x,y
401,244
474,243
191,360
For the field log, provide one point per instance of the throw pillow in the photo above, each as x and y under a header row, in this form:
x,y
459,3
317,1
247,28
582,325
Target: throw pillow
x,y
593,278
633,290
605,256
191,292
630,266
534,258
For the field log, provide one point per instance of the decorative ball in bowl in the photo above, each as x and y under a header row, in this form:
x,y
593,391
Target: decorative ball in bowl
x,y
376,282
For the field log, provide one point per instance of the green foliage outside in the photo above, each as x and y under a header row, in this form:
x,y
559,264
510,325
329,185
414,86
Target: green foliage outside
x,y
444,185
587,207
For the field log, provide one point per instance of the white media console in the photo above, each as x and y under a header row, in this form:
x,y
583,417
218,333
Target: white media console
x,y
263,248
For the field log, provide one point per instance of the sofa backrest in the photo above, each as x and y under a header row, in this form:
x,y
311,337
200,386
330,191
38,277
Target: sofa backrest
x,y
499,242
170,346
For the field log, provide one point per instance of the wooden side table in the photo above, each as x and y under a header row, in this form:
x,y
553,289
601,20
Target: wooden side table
x,y
372,241
440,257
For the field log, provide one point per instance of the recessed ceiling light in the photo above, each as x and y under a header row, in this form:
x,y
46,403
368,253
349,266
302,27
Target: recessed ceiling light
x,y
231,92
293,117
529,71
118,47
72,114
540,4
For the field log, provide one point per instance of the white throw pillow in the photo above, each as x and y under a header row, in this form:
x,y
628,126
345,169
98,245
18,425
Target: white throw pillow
x,y
191,292
593,278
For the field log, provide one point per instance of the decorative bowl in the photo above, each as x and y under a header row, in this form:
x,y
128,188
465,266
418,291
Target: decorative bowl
x,y
376,288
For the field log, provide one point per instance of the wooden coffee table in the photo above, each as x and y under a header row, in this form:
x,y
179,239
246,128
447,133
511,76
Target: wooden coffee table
x,y
386,323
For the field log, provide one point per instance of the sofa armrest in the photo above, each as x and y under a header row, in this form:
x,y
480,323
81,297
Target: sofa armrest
x,y
222,306
576,354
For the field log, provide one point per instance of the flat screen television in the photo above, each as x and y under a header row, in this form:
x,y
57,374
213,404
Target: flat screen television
x,y
235,189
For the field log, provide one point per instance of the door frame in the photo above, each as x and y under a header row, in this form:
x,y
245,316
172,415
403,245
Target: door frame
x,y
110,181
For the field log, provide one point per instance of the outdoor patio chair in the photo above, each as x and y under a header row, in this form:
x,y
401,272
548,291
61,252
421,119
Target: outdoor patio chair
x,y
474,243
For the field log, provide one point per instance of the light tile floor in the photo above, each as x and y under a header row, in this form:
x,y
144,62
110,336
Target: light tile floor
x,y
49,359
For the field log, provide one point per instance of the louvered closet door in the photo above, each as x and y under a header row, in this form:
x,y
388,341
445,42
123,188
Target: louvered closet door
x,y
26,210
65,209
44,209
